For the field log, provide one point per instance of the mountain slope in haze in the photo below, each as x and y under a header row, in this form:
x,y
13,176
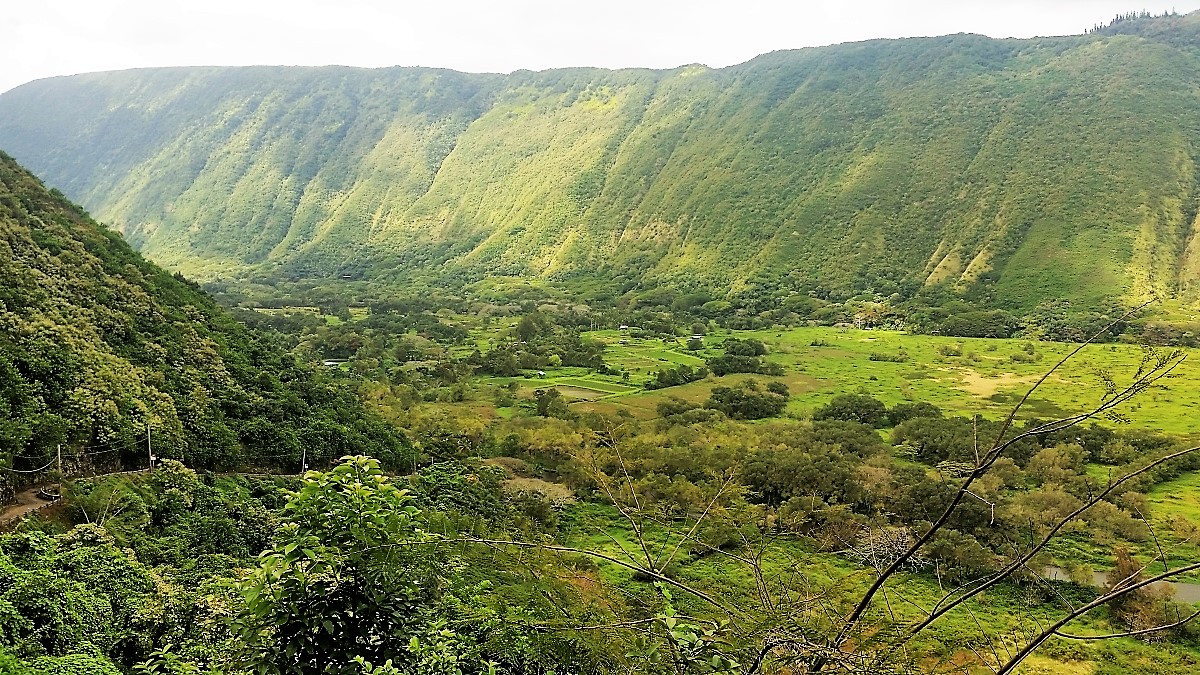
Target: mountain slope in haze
x,y
1046,168
97,344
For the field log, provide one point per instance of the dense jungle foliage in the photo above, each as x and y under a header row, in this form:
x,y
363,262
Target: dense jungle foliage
x,y
102,352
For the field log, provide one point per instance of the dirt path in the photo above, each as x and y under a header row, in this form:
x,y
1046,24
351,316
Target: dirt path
x,y
27,501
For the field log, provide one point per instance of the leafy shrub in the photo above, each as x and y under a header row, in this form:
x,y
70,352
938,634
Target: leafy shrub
x,y
749,402
854,408
902,412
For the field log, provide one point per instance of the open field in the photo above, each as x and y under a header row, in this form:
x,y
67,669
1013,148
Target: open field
x,y
961,375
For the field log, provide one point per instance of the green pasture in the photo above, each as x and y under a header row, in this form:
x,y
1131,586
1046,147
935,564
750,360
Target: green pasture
x,y
1180,496
961,375
1175,516
596,384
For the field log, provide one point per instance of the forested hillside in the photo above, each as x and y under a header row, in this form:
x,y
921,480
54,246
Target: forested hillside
x,y
1045,168
100,348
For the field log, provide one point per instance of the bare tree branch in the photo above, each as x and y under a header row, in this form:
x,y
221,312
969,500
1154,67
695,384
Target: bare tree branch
x,y
1104,599
1023,560
1131,633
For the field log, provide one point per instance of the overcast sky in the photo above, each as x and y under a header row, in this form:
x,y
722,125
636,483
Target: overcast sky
x,y
62,37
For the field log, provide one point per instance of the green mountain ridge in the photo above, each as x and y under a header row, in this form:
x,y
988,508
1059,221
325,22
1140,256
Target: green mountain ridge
x,y
99,347
1045,168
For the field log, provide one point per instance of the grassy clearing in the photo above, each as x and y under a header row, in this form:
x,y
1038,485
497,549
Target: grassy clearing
x,y
596,384
961,375
1181,494
964,376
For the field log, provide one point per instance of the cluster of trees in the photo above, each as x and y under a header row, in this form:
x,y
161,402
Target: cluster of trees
x,y
961,319
743,356
749,401
550,349
380,335
1127,18
868,410
673,377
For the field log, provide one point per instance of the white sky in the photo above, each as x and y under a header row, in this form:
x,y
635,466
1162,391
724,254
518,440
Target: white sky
x,y
42,38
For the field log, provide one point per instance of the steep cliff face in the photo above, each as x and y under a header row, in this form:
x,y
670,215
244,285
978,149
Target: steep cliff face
x,y
1059,167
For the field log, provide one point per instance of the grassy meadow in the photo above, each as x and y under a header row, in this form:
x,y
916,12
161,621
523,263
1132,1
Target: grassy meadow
x,y
961,375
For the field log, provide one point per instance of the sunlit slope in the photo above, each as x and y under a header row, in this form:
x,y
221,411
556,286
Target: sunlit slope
x,y
1042,168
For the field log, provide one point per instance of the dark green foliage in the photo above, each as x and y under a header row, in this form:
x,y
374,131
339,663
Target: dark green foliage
x,y
819,471
11,665
854,408
676,410
355,575
548,345
749,401
724,365
73,664
749,347
177,518
1061,321
550,403
457,488
673,377
97,344
64,596
954,317
960,557
902,412
743,356
348,575
936,439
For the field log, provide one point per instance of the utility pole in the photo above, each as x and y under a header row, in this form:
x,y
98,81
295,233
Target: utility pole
x,y
60,473
149,450
303,460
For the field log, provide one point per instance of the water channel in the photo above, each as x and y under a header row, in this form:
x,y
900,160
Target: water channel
x,y
1184,591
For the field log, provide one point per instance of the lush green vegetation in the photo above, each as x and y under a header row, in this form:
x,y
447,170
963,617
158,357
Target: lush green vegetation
x,y
820,478
357,568
105,356
1014,171
794,454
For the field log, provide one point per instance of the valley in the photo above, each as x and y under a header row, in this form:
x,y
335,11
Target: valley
x,y
1019,171
878,358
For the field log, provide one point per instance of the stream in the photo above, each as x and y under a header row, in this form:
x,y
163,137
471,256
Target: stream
x,y
1184,591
